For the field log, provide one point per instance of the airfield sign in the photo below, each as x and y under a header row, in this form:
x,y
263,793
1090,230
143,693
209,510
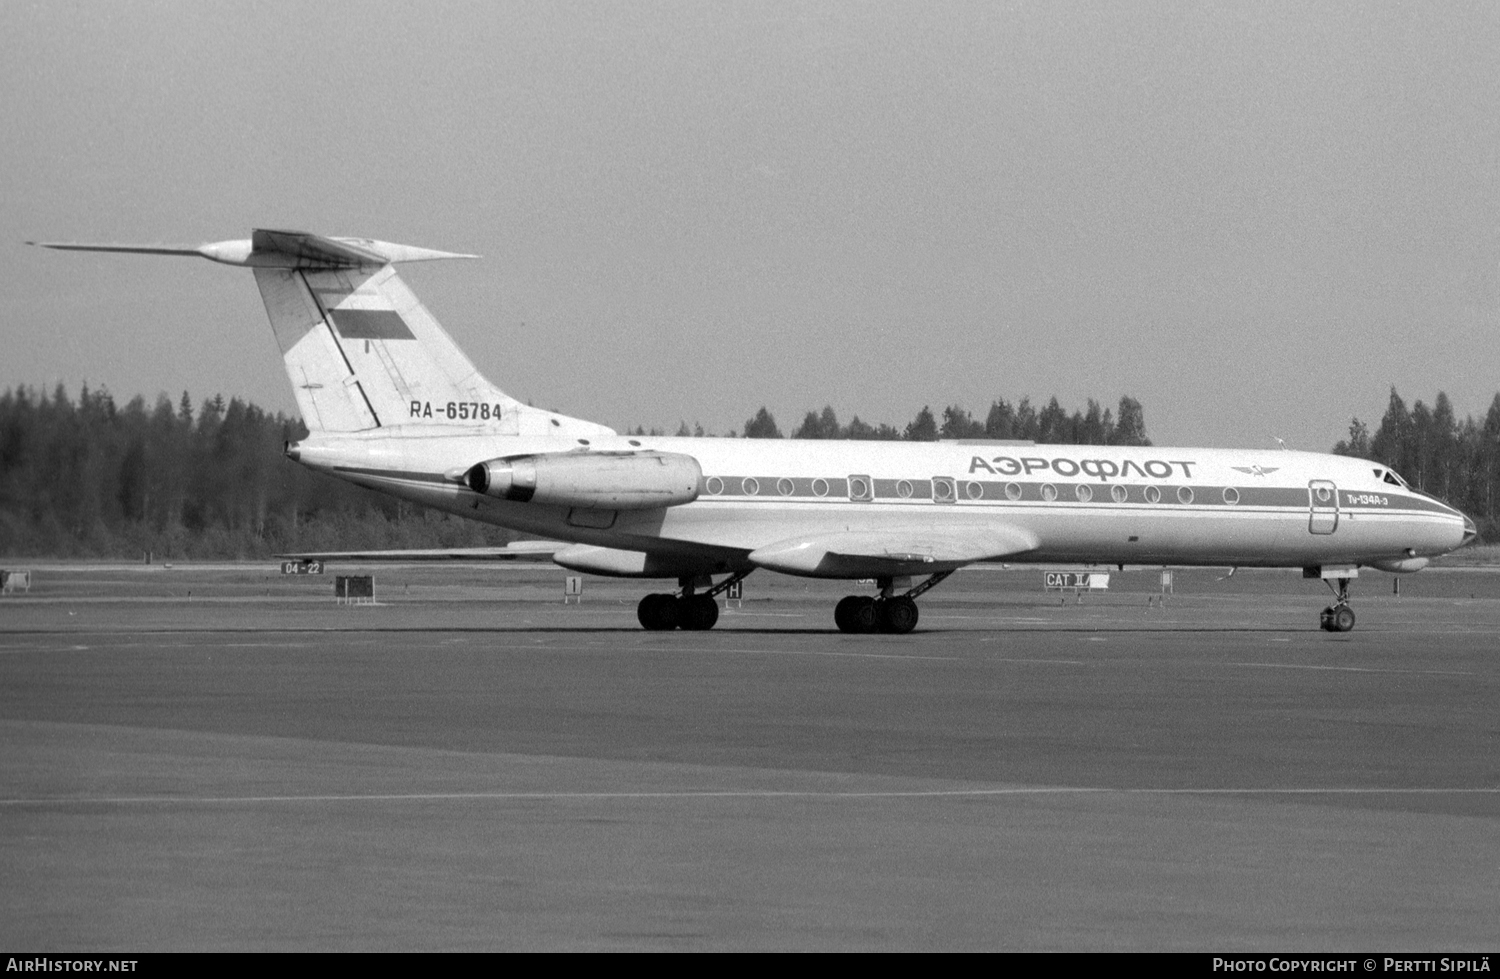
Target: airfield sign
x,y
1079,580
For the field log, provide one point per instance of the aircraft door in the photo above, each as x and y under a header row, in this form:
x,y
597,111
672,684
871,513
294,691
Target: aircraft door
x,y
1323,499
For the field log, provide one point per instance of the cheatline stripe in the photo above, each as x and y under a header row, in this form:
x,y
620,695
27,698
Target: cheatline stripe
x,y
690,794
1205,497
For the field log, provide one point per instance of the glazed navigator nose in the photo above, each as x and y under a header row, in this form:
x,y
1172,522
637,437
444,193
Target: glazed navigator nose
x,y
1470,531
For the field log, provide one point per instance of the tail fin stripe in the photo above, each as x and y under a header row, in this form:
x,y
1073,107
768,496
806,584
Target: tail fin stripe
x,y
373,413
328,322
353,379
370,324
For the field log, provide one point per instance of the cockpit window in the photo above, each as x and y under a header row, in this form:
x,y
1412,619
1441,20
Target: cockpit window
x,y
1393,479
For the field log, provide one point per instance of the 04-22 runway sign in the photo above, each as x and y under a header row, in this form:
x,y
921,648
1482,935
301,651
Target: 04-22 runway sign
x,y
301,567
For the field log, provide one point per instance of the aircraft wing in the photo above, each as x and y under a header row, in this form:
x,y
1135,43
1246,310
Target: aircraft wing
x,y
846,554
512,551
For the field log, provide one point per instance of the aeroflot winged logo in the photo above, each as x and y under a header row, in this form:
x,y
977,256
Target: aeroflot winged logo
x,y
1256,470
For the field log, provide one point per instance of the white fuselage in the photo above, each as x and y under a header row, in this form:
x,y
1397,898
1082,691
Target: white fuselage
x,y
1078,503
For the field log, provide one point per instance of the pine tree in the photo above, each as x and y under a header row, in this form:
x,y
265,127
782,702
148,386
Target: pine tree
x,y
762,426
923,428
1130,423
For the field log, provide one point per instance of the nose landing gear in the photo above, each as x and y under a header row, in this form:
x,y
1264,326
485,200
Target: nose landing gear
x,y
892,613
1338,617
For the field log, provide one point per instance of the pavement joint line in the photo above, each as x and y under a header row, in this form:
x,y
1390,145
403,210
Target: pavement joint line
x,y
831,652
1352,669
543,647
1048,662
709,794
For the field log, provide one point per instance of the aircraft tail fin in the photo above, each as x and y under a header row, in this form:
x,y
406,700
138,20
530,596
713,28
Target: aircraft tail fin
x,y
360,349
362,352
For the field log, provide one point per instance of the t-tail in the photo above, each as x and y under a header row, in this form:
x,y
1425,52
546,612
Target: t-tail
x,y
361,351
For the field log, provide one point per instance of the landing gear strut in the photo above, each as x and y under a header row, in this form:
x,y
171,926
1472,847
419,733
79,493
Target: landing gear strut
x,y
896,614
687,610
1338,617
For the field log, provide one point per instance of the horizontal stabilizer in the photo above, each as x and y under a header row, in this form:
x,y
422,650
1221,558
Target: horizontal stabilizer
x,y
270,249
884,552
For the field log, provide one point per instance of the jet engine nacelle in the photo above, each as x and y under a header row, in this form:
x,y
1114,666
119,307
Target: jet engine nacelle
x,y
599,480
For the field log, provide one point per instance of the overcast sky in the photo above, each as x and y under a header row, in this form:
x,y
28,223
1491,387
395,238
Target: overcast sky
x,y
1254,218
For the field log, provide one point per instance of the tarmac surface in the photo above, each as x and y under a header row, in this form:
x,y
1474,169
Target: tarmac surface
x,y
215,758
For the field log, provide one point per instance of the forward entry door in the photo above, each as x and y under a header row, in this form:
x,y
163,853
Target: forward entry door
x,y
1323,498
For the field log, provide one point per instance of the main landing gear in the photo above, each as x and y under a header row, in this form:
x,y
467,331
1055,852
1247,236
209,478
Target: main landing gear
x,y
896,614
1338,617
687,611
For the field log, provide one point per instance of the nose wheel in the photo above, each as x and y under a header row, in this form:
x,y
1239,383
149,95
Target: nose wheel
x,y
1338,617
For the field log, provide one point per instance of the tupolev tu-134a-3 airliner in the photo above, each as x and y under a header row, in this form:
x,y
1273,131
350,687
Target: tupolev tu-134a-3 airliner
x,y
391,403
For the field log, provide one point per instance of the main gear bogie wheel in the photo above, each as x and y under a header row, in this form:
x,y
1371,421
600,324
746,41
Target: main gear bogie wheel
x,y
898,615
865,614
658,613
697,613
843,614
